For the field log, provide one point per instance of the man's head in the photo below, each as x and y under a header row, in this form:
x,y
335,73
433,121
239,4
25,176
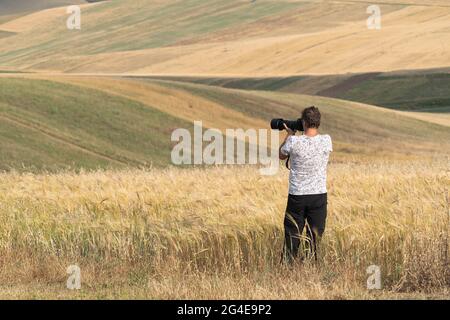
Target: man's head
x,y
311,117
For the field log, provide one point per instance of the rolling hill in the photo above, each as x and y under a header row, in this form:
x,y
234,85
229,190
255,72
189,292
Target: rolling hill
x,y
49,125
134,77
91,122
424,94
110,95
8,7
260,38
13,9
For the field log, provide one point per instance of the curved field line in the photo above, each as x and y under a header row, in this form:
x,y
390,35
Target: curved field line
x,y
176,102
399,3
60,139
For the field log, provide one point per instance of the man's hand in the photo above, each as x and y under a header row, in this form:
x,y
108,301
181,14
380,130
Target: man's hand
x,y
290,132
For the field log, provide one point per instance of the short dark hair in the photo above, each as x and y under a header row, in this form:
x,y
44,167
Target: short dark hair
x,y
311,117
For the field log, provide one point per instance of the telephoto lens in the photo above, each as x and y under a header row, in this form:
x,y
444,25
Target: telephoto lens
x,y
278,124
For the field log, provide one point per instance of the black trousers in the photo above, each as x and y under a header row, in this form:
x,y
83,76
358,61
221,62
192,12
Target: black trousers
x,y
301,210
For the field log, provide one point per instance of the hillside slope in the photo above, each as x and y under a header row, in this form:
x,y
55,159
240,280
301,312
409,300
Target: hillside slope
x,y
424,94
266,37
13,9
8,7
50,125
101,122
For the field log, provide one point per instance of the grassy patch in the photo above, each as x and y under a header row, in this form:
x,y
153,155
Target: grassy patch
x,y
422,92
79,126
347,122
50,125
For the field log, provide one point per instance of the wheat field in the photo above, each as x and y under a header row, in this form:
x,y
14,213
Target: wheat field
x,y
217,233
86,117
245,38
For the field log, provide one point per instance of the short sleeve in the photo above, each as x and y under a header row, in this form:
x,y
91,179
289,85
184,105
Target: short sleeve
x,y
287,147
328,144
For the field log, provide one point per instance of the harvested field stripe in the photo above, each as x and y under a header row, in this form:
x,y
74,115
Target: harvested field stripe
x,y
53,136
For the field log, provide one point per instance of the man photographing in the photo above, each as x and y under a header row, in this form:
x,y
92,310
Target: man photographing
x,y
307,202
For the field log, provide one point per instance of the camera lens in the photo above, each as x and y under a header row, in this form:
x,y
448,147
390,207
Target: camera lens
x,y
277,124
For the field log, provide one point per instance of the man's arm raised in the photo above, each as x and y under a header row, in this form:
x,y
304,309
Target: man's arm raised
x,y
282,155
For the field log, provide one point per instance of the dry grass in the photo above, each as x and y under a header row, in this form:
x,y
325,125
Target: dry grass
x,y
350,48
439,118
185,101
178,103
217,233
320,37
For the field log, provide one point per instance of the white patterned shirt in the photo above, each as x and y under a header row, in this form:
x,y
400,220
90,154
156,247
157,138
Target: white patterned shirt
x,y
308,162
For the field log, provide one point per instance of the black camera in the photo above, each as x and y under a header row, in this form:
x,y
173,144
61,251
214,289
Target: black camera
x,y
296,125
